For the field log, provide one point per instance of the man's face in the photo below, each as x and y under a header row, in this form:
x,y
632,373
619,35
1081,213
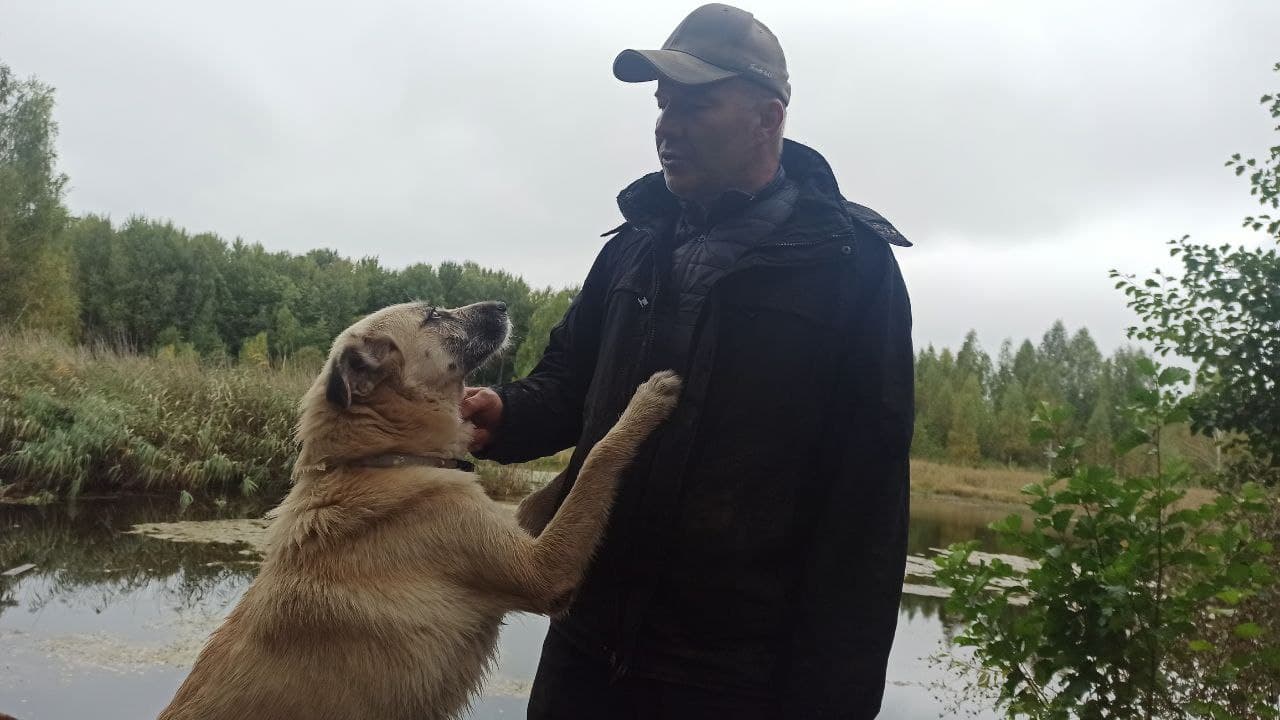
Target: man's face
x,y
706,137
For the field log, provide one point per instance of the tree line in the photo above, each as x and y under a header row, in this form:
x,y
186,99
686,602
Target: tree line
x,y
971,409
155,287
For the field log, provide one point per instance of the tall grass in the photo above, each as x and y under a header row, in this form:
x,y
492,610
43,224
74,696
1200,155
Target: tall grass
x,y
77,420
995,484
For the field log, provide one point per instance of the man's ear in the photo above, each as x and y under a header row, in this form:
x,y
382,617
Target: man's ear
x,y
359,368
772,116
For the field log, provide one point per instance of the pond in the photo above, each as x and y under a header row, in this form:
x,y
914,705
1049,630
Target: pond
x,y
108,621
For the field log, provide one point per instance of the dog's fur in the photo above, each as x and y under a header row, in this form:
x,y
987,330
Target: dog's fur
x,y
382,589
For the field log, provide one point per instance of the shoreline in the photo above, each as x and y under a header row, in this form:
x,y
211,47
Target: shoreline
x,y
42,500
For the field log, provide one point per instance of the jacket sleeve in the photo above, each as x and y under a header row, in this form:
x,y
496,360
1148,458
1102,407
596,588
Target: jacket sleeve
x,y
849,589
542,413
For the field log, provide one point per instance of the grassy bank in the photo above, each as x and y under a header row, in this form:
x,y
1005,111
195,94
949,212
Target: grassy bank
x,y
996,485
75,420
986,484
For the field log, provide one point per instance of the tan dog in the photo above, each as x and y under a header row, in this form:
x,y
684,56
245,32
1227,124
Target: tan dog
x,y
387,571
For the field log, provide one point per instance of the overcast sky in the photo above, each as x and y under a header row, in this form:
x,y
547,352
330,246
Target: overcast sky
x,y
1026,147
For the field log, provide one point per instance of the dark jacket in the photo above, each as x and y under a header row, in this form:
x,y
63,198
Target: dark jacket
x,y
758,543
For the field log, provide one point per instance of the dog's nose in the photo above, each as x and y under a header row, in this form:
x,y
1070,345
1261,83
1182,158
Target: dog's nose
x,y
502,307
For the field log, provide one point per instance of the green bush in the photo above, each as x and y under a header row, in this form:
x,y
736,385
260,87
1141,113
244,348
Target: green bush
x,y
1128,605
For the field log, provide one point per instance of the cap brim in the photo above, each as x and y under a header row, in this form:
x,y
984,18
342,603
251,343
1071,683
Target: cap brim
x,y
674,65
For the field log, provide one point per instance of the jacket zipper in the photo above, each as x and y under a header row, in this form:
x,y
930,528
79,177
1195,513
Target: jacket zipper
x,y
618,669
652,307
836,236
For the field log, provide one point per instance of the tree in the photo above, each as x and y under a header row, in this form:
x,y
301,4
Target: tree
x,y
550,307
35,262
1054,359
1222,311
285,332
1011,424
1083,373
254,351
968,419
971,359
926,442
1004,374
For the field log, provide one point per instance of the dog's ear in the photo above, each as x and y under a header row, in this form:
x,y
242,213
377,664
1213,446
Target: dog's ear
x,y
358,369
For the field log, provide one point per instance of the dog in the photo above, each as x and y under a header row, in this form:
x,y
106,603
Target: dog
x,y
388,570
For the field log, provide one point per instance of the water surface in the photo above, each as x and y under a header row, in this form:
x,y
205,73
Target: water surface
x,y
108,622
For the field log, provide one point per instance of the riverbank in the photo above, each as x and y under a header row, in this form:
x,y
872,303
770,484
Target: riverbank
x,y
78,421
983,487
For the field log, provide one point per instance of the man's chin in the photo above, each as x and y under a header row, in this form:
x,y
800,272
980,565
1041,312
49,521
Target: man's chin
x,y
679,184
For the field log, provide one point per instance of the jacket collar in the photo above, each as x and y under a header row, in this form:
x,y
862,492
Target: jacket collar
x,y
648,202
819,208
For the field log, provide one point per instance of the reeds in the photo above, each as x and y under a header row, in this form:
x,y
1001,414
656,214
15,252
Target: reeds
x,y
77,420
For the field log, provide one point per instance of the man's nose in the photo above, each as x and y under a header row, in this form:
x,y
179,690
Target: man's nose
x,y
666,127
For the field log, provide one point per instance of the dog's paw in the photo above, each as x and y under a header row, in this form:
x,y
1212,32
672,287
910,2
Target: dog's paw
x,y
664,382
656,397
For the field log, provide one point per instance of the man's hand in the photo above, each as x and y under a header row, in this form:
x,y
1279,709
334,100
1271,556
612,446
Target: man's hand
x,y
483,407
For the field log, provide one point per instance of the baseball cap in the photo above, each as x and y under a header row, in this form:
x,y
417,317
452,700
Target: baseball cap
x,y
713,43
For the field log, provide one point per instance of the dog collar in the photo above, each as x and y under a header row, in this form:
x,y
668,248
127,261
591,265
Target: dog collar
x,y
392,460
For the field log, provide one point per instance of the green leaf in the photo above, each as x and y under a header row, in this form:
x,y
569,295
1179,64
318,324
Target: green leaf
x,y
1008,524
1248,630
1252,491
1130,439
1199,645
1230,596
1145,366
1039,434
1061,519
1179,414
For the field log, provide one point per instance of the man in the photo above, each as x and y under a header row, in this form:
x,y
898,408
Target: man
x,y
755,555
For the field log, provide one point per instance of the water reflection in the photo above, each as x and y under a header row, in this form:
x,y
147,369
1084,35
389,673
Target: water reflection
x,y
83,555
117,617
939,522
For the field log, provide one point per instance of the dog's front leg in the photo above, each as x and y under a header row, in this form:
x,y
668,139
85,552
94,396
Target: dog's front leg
x,y
535,511
563,550
541,573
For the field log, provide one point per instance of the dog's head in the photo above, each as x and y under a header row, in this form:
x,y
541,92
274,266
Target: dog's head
x,y
415,350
